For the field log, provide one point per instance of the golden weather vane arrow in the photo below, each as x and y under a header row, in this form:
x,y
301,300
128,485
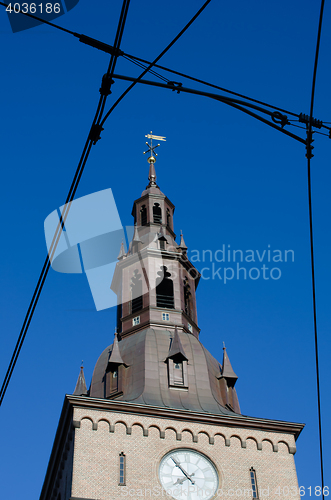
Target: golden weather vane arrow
x,y
151,148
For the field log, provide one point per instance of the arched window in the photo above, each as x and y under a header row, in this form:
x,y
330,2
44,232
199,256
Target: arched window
x,y
136,292
254,483
164,289
122,470
143,215
157,213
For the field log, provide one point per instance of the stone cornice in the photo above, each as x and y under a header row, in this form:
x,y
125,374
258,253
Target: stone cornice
x,y
187,416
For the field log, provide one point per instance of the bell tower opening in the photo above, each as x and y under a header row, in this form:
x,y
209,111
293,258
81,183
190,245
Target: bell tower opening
x,y
157,213
143,215
187,297
136,292
164,289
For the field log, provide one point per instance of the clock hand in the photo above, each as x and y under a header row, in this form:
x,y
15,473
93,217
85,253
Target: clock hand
x,y
183,471
180,480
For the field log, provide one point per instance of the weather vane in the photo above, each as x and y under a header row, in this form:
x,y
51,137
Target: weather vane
x,y
151,148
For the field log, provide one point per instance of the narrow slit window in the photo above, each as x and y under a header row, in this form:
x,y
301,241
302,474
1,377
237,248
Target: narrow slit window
x,y
253,482
122,470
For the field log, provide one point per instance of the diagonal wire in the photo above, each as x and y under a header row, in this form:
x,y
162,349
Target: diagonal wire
x,y
198,80
150,65
141,65
70,197
309,156
109,49
73,188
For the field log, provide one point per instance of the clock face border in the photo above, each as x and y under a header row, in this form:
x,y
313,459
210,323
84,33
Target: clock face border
x,y
198,452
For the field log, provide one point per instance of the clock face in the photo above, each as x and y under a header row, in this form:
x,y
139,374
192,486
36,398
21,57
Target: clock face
x,y
188,474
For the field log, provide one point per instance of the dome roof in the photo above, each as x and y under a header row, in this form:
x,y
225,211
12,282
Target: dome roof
x,y
145,378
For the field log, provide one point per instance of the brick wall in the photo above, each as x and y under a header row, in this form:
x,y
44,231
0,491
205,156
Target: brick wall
x,y
100,436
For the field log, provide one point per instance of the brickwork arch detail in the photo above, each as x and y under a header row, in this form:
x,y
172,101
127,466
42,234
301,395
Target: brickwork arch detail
x,y
87,418
211,437
104,420
267,441
235,436
154,427
250,439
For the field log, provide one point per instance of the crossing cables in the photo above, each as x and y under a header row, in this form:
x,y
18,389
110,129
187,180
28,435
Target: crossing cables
x,y
93,137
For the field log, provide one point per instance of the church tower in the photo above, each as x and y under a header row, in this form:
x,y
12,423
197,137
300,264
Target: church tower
x,y
161,417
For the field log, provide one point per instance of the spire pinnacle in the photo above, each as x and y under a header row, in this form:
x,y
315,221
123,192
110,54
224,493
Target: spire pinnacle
x,y
227,370
121,255
182,242
176,351
115,357
136,238
80,389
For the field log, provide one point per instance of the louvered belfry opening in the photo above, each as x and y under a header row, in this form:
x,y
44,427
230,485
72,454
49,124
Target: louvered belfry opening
x,y
143,215
168,218
187,297
119,317
164,289
136,292
157,213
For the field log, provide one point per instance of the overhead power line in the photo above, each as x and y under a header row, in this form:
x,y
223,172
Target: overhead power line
x,y
72,191
156,60
97,127
93,137
109,49
309,156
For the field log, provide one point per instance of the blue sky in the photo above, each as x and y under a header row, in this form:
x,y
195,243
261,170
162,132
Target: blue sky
x,y
233,180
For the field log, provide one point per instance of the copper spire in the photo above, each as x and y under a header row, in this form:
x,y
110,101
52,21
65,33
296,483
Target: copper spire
x,y
115,356
182,242
136,238
227,370
80,389
122,253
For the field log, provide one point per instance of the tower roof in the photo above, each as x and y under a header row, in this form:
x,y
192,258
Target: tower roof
x,y
145,380
159,359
